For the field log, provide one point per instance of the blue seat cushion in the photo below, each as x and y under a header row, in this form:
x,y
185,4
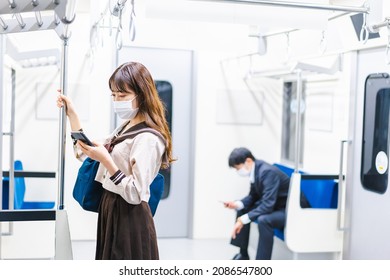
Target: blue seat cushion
x,y
19,193
38,205
279,233
321,193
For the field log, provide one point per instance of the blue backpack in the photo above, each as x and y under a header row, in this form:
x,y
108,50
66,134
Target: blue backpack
x,y
156,191
88,192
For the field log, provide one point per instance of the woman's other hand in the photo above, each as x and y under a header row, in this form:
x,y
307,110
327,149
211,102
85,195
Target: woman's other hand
x,y
62,101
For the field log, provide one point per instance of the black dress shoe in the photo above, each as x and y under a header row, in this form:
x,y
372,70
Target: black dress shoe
x,y
239,256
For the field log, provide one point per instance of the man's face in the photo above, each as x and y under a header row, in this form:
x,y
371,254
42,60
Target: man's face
x,y
244,169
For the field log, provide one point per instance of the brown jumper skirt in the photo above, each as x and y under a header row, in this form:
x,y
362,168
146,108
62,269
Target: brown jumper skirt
x,y
125,231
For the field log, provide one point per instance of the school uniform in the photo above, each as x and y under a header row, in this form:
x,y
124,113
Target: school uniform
x,y
125,223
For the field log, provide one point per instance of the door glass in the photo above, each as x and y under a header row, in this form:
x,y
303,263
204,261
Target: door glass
x,y
375,154
164,89
289,122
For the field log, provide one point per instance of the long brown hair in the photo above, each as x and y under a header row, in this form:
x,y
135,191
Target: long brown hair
x,y
134,76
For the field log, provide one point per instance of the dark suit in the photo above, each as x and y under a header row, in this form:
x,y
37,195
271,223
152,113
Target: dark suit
x,y
265,204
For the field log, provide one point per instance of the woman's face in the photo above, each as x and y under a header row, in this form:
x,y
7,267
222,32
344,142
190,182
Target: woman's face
x,y
125,96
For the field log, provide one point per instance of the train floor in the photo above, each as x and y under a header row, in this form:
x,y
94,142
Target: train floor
x,y
172,249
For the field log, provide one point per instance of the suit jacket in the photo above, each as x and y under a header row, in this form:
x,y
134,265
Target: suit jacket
x,y
269,191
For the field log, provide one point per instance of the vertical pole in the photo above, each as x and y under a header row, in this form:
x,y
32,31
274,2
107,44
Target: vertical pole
x,y
62,128
12,152
12,145
2,50
298,122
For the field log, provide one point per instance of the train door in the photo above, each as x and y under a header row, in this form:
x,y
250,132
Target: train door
x,y
367,193
172,72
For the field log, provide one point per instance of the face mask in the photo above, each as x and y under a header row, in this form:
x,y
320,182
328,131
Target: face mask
x,y
124,109
243,172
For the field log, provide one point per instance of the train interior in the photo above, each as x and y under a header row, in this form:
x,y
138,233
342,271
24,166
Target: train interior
x,y
303,84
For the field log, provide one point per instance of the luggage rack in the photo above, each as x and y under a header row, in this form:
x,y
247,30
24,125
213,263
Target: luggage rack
x,y
18,16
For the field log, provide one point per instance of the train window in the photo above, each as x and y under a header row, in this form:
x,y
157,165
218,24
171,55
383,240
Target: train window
x,y
289,122
375,154
164,89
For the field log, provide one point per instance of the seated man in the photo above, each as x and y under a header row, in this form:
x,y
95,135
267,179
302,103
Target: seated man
x,y
265,203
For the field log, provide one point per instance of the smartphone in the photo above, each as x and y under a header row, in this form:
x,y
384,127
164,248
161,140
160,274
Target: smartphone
x,y
79,135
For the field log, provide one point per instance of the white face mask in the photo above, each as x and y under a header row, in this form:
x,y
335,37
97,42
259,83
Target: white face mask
x,y
243,172
124,109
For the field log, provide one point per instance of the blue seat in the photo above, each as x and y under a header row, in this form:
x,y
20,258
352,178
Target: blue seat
x,y
320,193
285,169
19,193
279,233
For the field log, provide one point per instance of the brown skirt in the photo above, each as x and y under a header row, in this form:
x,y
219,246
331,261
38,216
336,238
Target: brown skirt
x,y
125,231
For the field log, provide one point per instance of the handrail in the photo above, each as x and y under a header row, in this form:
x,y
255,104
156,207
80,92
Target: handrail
x,y
2,51
27,215
341,186
30,174
301,5
320,177
298,122
12,147
62,127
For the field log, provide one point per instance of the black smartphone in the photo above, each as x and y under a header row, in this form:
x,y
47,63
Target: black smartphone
x,y
79,135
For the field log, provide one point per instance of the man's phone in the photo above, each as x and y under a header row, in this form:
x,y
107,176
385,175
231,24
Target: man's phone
x,y
79,135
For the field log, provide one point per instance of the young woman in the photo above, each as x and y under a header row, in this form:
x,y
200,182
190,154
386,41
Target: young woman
x,y
125,224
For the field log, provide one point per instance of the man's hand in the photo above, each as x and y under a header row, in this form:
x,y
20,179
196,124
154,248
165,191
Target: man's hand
x,y
237,228
230,204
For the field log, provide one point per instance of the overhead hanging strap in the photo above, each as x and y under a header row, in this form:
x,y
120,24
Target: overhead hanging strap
x,y
132,22
32,15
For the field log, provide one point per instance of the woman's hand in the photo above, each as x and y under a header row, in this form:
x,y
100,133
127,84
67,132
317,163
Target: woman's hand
x,y
62,101
99,152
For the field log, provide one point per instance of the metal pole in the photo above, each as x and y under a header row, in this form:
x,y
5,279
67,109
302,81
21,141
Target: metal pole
x,y
376,27
62,132
2,48
270,34
340,202
299,5
12,151
293,30
2,51
12,145
298,122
